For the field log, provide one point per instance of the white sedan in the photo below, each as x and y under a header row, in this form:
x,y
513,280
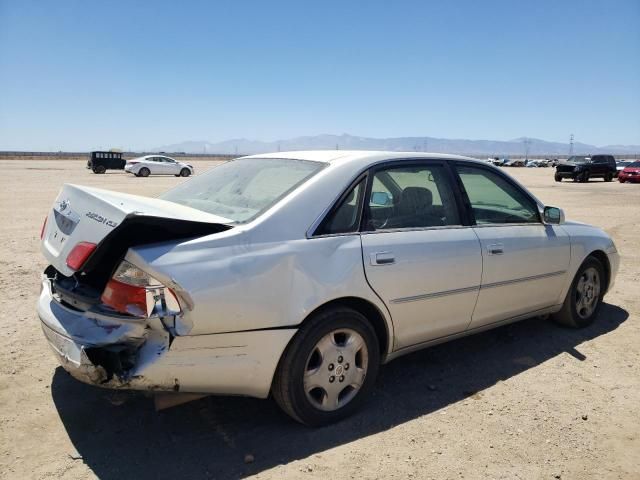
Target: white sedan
x,y
299,274
157,165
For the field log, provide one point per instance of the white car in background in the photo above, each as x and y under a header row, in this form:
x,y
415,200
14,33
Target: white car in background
x,y
157,165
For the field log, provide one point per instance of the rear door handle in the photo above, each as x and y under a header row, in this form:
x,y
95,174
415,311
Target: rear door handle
x,y
495,249
382,258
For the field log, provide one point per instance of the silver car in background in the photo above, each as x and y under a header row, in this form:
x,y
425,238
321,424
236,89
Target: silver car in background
x,y
299,274
157,165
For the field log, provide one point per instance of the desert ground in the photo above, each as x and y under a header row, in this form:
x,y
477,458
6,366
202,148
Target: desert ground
x,y
530,400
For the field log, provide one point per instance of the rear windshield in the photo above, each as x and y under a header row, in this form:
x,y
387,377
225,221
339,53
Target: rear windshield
x,y
241,190
634,165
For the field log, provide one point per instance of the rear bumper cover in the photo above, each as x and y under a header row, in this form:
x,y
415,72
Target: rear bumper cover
x,y
116,352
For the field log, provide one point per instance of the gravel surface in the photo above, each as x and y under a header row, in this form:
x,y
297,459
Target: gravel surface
x,y
529,400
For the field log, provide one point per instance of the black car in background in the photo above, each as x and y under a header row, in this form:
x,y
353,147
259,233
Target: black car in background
x,y
100,162
580,168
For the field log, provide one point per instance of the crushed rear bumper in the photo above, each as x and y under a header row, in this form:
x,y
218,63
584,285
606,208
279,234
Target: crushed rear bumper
x,y
123,353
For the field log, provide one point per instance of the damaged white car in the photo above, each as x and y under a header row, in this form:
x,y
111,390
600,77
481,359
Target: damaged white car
x,y
298,274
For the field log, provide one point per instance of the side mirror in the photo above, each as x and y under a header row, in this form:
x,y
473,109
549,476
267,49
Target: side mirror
x,y
552,216
381,199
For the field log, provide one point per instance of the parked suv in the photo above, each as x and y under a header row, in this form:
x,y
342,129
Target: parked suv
x,y
581,168
100,162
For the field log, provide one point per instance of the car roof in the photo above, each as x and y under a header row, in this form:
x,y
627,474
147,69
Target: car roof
x,y
343,156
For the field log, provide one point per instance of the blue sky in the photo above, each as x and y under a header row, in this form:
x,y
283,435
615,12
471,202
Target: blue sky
x,y
88,74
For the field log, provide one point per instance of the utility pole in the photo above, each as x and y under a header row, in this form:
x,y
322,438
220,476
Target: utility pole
x,y
526,142
424,145
571,144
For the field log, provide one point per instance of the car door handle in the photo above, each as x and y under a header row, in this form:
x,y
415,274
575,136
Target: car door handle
x,y
495,249
382,258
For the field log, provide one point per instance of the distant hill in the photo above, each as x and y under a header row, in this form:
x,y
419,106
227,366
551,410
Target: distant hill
x,y
350,142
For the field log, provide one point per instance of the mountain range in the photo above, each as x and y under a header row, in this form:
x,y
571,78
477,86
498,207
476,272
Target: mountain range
x,y
517,146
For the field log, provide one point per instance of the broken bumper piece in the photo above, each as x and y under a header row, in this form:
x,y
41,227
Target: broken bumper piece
x,y
98,349
125,353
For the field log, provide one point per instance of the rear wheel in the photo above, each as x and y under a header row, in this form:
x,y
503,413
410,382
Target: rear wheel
x,y
99,169
608,177
329,367
583,177
185,172
584,298
558,177
144,172
621,180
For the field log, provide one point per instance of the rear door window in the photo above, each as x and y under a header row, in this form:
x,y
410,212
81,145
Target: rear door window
x,y
346,217
411,197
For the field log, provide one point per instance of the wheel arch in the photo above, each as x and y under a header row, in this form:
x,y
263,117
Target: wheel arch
x,y
604,260
370,311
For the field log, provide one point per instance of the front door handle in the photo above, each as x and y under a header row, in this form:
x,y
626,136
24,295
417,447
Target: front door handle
x,y
495,249
382,258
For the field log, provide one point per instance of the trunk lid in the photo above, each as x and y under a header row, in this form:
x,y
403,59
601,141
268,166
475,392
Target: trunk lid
x,y
85,214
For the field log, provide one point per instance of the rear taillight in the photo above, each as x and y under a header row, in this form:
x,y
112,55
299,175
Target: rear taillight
x,y
44,226
134,292
79,254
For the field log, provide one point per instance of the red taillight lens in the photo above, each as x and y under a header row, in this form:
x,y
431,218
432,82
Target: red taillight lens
x,y
124,298
133,291
44,226
79,255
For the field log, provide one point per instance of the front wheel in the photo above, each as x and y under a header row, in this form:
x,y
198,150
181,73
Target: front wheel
x,y
185,172
558,177
99,169
584,298
584,178
608,177
329,367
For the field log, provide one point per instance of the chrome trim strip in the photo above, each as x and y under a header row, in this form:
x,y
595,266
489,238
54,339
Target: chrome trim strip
x,y
524,279
436,294
456,291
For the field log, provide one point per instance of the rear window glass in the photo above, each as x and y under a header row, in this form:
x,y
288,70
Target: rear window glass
x,y
241,190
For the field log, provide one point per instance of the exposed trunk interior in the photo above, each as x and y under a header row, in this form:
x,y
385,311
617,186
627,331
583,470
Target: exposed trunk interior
x,y
86,286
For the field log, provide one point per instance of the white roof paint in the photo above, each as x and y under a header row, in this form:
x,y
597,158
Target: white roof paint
x,y
329,156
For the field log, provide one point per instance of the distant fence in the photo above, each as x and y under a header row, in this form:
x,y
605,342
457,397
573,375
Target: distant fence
x,y
85,155
226,156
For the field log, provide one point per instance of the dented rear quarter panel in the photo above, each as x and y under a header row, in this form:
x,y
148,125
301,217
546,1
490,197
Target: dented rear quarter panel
x,y
237,285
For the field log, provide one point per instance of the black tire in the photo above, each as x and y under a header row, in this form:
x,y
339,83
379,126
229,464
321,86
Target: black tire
x,y
143,172
288,387
572,314
99,169
608,177
185,172
584,177
621,180
558,177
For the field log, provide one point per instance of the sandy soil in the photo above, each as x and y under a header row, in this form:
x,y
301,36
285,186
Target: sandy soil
x,y
530,400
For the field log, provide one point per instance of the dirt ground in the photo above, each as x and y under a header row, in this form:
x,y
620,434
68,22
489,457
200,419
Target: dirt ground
x,y
527,401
